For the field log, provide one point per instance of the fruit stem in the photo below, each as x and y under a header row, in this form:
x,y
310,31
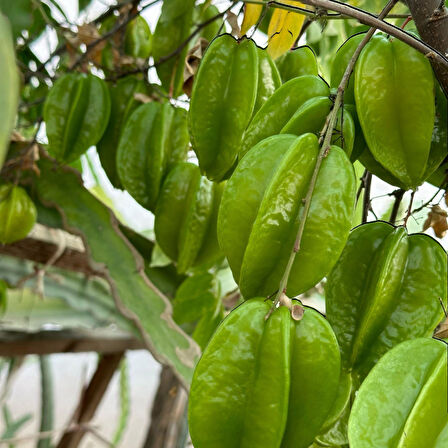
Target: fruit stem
x,y
325,141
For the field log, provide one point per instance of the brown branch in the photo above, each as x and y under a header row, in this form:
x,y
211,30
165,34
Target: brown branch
x,y
175,52
366,203
398,197
91,398
41,252
431,19
426,204
46,342
409,212
367,19
168,412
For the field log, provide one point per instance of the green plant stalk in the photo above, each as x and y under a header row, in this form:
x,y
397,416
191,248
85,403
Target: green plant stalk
x,y
46,406
124,402
325,148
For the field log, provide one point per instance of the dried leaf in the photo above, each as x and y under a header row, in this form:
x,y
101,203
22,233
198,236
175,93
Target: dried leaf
x,y
446,198
142,97
442,331
437,220
192,61
87,34
252,13
232,20
284,29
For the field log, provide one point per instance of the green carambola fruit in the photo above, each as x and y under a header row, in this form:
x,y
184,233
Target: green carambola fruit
x,y
268,78
385,288
300,105
402,403
123,103
397,126
298,62
311,117
257,381
185,218
338,67
258,223
222,102
76,113
340,63
173,28
154,137
438,152
212,29
17,214
9,86
138,38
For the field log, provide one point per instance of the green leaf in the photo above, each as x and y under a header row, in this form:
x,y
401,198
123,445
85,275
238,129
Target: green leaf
x,y
195,297
13,426
89,297
19,13
133,292
3,296
124,402
170,34
197,300
159,258
82,4
29,15
9,86
207,325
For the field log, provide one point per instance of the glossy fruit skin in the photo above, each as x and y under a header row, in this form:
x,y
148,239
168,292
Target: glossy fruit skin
x,y
437,154
338,67
222,103
311,117
138,38
397,126
257,229
212,30
402,402
280,107
154,138
268,78
384,289
123,103
172,29
340,63
298,62
76,113
257,381
185,218
17,214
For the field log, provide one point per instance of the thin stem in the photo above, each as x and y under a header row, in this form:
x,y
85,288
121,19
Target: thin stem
x,y
409,213
426,203
398,197
361,185
315,14
175,52
366,205
367,19
325,148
